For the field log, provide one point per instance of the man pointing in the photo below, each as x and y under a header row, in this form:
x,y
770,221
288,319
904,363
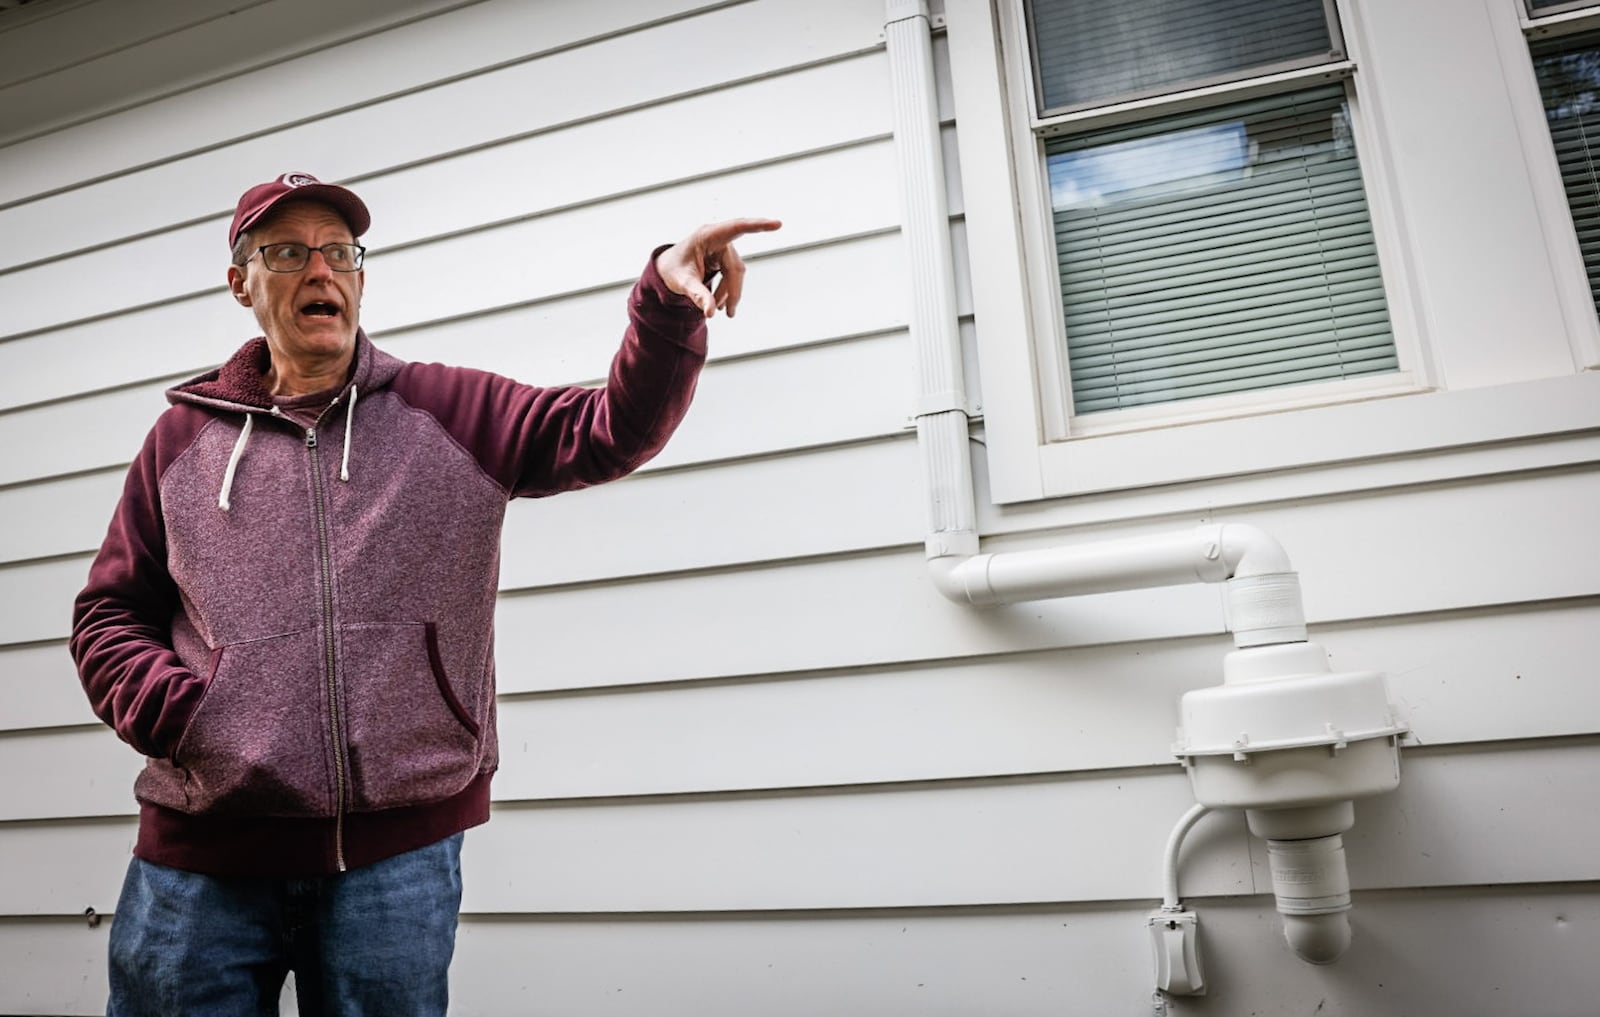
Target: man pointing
x,y
292,617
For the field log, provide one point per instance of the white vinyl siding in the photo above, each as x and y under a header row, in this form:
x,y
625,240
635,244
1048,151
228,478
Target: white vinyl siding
x,y
753,763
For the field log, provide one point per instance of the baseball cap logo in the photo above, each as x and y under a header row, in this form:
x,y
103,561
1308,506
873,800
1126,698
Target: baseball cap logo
x,y
298,179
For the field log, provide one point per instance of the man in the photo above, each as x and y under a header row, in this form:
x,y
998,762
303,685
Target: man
x,y
292,617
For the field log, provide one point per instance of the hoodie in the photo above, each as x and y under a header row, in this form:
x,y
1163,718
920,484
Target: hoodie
x,y
292,614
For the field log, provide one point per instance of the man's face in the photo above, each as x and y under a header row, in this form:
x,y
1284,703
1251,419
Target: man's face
x,y
309,316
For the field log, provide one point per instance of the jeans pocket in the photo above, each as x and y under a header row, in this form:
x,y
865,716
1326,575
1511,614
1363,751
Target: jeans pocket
x,y
258,742
410,734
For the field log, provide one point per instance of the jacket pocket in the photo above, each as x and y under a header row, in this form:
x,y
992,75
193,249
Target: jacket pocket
x,y
258,743
411,739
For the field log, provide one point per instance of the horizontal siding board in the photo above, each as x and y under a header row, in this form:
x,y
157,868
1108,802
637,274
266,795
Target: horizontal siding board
x,y
523,260
54,966
1531,943
847,612
1520,807
40,690
176,338
182,45
98,433
93,776
785,507
38,598
1395,552
1420,549
582,162
1073,840
1458,819
744,408
261,102
66,515
1512,675
1507,676
559,339
358,137
74,35
1528,944
571,164
957,845
572,338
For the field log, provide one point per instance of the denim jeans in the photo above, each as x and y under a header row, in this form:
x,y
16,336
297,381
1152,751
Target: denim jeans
x,y
375,940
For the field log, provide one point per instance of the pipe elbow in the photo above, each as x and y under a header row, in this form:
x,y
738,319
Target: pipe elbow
x,y
1318,939
1251,551
963,578
1263,598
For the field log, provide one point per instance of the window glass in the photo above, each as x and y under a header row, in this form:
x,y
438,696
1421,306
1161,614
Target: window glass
x,y
1096,50
1568,70
1219,251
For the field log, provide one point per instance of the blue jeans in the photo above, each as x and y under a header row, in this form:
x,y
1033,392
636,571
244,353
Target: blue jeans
x,y
375,940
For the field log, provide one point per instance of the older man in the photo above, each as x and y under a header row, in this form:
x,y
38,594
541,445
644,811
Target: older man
x,y
292,617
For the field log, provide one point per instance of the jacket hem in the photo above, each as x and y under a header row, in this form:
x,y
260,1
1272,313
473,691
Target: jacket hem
x,y
295,847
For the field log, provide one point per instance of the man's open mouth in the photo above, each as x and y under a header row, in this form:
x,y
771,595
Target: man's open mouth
x,y
320,309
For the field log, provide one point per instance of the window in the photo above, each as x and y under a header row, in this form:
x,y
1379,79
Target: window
x,y
1539,8
1568,71
1205,201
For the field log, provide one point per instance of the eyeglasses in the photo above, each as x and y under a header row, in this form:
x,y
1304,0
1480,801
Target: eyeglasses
x,y
294,257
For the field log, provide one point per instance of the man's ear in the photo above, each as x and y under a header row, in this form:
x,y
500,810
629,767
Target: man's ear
x,y
236,285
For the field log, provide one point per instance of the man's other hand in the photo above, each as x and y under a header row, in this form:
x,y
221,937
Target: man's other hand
x,y
688,265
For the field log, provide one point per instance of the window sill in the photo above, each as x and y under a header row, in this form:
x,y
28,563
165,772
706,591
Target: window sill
x,y
1372,429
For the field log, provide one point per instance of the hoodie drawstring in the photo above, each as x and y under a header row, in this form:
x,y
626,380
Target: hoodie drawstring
x,y
244,438
349,420
233,463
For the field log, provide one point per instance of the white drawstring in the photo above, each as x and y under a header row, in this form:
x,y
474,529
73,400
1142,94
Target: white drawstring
x,y
233,463
349,419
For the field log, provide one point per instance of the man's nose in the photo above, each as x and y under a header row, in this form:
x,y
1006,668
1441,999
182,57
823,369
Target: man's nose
x,y
317,264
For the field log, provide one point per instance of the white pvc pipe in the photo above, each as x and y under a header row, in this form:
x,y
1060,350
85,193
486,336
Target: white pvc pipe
x,y
1262,592
1263,600
1169,867
941,402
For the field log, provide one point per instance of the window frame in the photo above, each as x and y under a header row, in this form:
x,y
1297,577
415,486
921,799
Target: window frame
x,y
1256,444
1036,83
1058,422
1518,32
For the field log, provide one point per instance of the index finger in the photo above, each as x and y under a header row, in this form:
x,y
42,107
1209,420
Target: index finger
x,y
721,234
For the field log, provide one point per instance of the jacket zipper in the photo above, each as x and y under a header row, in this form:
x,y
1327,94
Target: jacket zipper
x,y
325,566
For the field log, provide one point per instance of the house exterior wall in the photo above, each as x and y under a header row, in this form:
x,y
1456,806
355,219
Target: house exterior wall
x,y
753,761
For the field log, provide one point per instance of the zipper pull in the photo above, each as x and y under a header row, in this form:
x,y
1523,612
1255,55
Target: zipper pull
x,y
311,437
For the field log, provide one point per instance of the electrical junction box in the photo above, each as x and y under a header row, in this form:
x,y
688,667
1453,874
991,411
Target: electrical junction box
x,y
1175,935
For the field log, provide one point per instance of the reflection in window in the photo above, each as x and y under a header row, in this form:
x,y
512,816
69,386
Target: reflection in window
x,y
1568,70
1091,51
1148,167
1221,251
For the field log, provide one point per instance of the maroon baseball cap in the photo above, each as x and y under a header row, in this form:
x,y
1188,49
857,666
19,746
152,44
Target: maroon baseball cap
x,y
263,198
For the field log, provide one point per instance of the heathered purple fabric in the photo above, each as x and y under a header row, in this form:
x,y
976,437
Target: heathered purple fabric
x,y
273,694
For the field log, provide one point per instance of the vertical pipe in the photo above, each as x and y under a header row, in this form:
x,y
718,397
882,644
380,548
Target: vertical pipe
x,y
925,226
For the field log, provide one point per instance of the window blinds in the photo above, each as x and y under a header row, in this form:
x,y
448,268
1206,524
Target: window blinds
x,y
1091,50
1568,70
1220,251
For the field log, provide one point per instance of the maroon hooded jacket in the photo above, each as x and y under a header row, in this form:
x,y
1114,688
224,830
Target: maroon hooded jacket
x,y
296,624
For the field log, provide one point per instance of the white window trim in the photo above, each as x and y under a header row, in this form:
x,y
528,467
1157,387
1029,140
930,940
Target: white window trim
x,y
1273,432
1513,33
